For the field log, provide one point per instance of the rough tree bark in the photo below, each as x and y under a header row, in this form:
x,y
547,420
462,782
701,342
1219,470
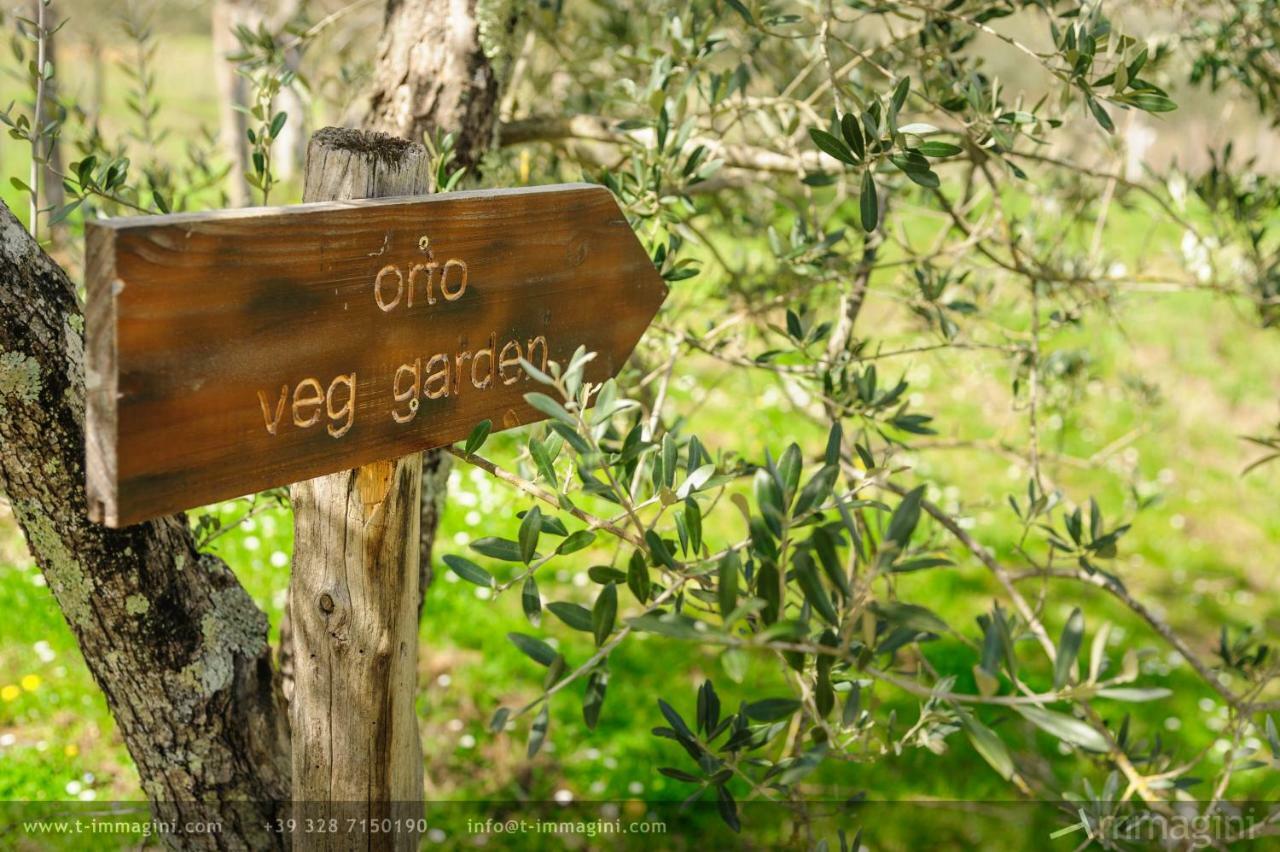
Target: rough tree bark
x,y
173,640
353,596
435,70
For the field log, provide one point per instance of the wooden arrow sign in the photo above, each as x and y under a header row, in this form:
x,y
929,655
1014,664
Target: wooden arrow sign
x,y
234,351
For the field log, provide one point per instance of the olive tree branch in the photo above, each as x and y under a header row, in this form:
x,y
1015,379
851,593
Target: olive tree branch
x,y
1167,633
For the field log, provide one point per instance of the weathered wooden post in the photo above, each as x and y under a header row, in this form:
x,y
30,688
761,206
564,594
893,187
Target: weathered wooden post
x,y
353,596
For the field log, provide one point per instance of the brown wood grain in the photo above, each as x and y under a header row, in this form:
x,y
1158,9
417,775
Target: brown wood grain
x,y
353,591
196,319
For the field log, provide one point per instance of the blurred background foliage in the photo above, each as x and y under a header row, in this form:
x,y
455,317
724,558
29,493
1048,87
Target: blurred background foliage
x,y
1052,328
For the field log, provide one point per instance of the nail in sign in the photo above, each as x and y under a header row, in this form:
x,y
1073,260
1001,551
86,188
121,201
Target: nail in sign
x,y
233,351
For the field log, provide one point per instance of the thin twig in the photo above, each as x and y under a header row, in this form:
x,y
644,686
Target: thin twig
x,y
541,494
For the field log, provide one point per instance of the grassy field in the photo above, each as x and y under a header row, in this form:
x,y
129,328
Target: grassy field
x,y
1166,388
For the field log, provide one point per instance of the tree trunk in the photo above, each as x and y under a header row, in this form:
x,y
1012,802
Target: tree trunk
x,y
232,92
173,640
289,151
434,71
54,194
436,465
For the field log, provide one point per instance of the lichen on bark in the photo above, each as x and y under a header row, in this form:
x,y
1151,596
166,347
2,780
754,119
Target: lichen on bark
x,y
233,628
19,378
64,573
